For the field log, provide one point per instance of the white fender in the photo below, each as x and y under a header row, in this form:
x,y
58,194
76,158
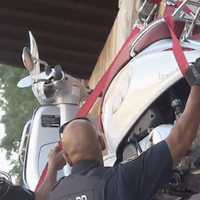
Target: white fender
x,y
138,85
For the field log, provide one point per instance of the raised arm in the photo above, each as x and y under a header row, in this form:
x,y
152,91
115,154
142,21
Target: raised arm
x,y
185,130
55,163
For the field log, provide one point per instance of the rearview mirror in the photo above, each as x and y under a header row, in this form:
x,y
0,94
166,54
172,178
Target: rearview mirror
x,y
27,59
25,82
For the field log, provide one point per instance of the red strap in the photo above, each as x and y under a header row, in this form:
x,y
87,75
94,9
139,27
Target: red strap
x,y
177,49
93,96
42,178
122,57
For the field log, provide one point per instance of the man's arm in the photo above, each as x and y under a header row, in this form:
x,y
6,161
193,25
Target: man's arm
x,y
48,184
185,129
153,168
55,163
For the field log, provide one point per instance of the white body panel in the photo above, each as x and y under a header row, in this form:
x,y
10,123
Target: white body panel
x,y
109,159
157,135
39,143
136,86
42,140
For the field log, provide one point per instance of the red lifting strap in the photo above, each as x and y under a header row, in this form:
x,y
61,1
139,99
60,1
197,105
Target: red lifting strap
x,y
177,49
42,178
122,57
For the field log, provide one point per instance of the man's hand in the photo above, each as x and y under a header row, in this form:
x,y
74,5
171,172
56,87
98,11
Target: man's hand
x,y
55,163
185,130
193,73
186,127
56,159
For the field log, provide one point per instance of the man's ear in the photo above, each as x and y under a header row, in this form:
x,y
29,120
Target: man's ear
x,y
102,142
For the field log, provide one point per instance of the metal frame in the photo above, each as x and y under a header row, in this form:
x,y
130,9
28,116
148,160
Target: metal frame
x,y
147,20
190,24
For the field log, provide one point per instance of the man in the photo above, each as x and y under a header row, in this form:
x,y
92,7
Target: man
x,y
138,179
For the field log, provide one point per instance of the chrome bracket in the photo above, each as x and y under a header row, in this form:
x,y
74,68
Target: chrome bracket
x,y
189,12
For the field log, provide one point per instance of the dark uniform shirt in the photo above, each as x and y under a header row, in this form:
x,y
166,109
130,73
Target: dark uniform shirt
x,y
135,180
18,193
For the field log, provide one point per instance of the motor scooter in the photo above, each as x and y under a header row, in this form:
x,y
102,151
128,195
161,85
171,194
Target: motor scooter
x,y
139,106
59,95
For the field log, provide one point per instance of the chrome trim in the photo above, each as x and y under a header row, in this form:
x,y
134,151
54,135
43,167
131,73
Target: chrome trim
x,y
179,8
146,12
23,143
190,29
35,54
193,42
147,21
147,29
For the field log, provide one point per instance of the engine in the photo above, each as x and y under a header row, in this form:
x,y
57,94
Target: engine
x,y
154,126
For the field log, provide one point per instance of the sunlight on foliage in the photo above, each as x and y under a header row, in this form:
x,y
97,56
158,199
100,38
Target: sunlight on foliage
x,y
18,105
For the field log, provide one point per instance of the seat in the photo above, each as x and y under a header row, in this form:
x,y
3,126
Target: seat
x,y
156,31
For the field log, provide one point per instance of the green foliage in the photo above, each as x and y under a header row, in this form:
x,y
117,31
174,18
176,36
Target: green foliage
x,y
16,169
18,105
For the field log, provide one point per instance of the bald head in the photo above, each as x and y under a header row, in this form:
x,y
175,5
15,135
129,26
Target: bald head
x,y
81,142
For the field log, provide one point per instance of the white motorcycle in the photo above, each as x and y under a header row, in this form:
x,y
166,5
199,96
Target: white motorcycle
x,y
139,107
59,95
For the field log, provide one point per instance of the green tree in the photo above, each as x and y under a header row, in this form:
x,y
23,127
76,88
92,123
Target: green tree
x,y
18,105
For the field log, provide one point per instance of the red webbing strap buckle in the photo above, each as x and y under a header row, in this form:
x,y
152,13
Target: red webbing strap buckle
x,y
100,87
177,49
